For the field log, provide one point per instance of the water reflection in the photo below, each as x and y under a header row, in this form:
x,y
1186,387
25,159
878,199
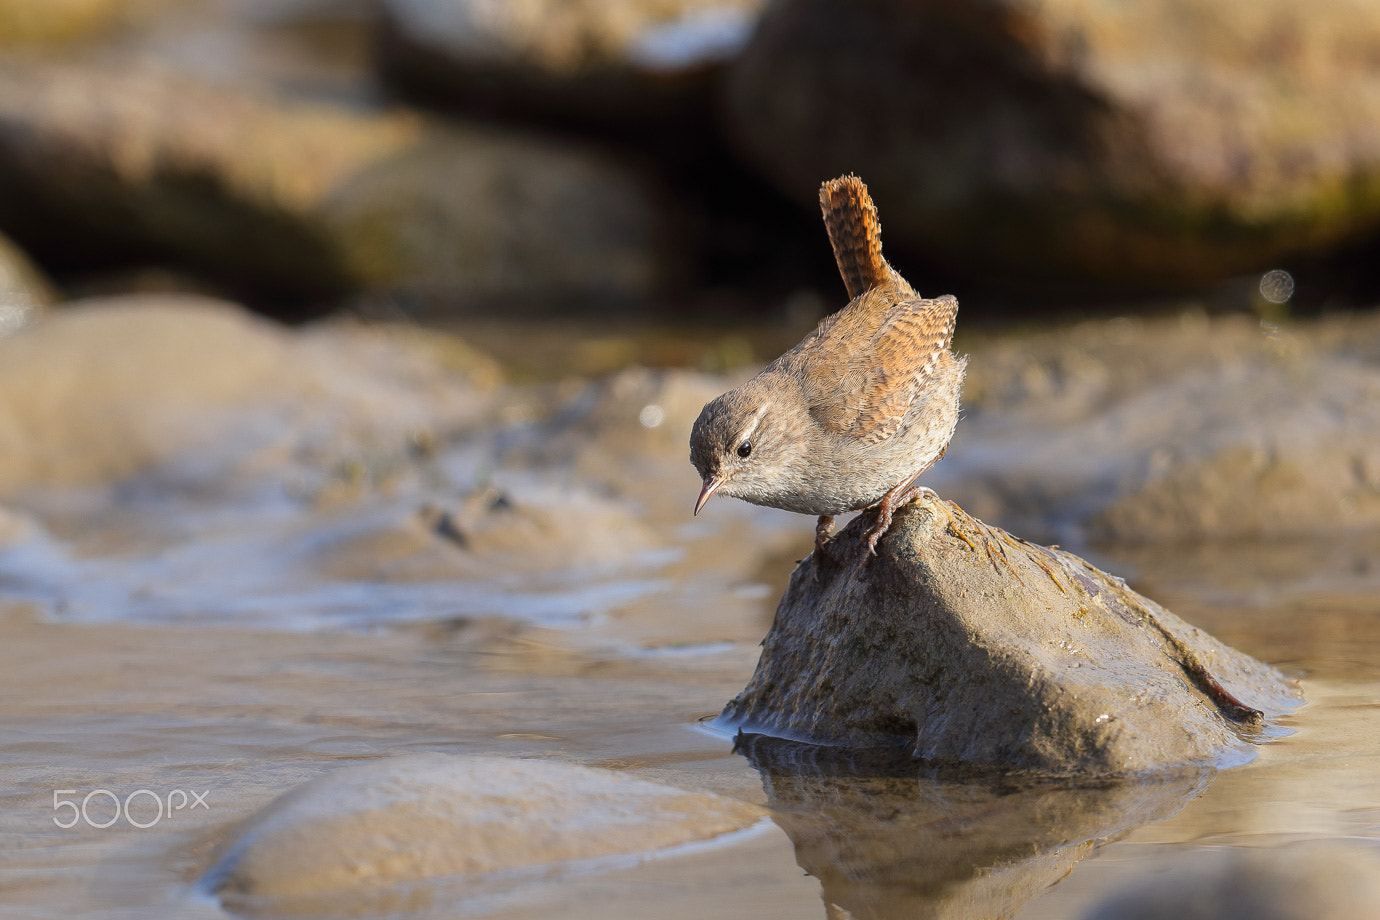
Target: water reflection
x,y
890,838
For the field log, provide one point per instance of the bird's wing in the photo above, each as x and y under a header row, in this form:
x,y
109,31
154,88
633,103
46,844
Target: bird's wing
x,y
876,377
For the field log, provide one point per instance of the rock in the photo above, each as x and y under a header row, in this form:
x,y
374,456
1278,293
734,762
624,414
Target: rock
x,y
332,474
625,62
361,839
97,391
103,389
1312,880
970,646
1276,447
24,292
1157,430
35,22
538,529
626,435
1148,142
310,199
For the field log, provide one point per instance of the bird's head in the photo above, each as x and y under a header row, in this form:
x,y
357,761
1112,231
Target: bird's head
x,y
745,443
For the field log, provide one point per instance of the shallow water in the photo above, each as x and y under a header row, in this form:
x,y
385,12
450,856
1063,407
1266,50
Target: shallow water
x,y
215,631
130,688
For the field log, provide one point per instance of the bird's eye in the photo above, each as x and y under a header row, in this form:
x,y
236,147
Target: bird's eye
x,y
745,449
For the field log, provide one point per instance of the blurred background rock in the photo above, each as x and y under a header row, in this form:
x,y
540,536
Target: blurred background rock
x,y
657,160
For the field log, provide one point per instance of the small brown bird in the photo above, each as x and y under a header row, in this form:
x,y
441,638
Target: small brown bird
x,y
848,418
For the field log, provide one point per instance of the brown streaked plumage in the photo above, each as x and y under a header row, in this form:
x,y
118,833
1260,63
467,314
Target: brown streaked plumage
x,y
848,418
855,232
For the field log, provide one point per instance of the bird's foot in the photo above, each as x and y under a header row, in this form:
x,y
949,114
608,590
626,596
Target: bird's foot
x,y
915,492
879,527
885,509
824,532
824,535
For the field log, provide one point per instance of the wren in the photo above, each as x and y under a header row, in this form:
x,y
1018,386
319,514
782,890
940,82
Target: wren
x,y
852,415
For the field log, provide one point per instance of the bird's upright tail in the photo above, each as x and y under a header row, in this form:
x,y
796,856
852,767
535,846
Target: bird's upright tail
x,y
855,232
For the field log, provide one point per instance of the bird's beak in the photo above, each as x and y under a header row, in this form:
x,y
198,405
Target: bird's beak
x,y
709,486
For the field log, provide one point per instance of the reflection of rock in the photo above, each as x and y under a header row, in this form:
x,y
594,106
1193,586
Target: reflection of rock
x,y
628,60
969,646
888,839
1153,430
360,841
23,289
1147,141
1316,880
311,198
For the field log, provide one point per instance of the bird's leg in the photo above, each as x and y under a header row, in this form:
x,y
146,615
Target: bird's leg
x,y
885,509
824,529
903,493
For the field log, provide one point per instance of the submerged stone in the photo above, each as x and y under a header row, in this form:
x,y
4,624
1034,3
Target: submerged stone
x,y
972,646
1309,880
358,842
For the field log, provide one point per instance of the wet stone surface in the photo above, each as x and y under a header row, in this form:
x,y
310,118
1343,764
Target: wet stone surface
x,y
970,646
